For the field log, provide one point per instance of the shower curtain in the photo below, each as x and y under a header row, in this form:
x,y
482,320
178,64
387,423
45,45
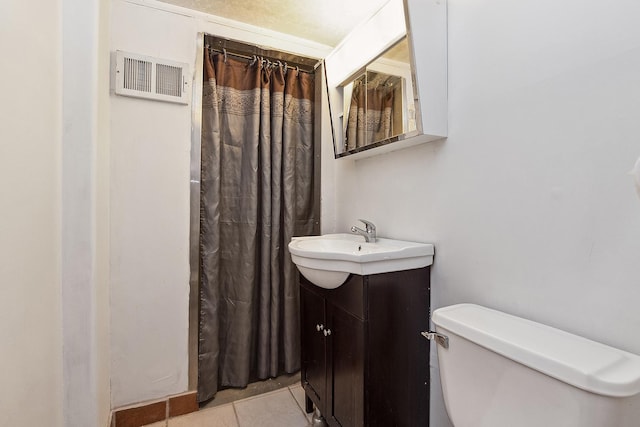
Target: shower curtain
x,y
370,115
256,193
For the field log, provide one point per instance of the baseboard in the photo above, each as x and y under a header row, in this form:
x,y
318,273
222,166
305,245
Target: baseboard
x,y
154,411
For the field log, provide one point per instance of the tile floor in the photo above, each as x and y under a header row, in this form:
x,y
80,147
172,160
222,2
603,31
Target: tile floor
x,y
229,395
279,408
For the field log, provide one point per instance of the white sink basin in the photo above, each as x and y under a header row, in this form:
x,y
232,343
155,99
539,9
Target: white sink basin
x,y
327,260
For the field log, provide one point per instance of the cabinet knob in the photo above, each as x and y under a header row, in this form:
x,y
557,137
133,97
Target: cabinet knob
x,y
319,327
327,332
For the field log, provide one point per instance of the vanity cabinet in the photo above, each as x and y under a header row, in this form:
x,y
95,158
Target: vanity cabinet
x,y
364,362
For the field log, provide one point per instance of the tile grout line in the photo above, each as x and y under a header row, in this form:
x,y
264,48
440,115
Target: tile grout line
x,y
291,396
297,403
304,413
235,412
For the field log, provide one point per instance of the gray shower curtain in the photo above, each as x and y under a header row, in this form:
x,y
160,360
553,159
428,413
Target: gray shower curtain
x,y
256,193
370,115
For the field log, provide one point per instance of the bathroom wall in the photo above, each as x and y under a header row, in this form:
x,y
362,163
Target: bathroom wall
x,y
149,204
30,285
149,200
528,201
102,294
84,256
54,295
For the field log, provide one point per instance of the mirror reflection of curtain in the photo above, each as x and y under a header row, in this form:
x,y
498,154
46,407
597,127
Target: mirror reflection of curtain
x,y
370,114
256,193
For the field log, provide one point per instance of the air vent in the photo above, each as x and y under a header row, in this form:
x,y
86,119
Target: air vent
x,y
137,75
151,78
168,80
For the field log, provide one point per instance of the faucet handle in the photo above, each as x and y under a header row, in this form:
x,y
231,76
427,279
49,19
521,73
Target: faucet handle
x,y
368,225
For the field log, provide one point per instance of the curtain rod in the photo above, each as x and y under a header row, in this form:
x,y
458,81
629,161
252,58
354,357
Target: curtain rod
x,y
224,51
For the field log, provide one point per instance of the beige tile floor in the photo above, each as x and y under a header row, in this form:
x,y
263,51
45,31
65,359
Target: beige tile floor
x,y
229,395
279,408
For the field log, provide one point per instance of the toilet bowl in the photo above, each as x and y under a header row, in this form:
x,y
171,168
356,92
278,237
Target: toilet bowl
x,y
499,370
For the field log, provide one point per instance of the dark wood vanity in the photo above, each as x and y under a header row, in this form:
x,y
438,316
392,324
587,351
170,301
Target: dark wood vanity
x,y
364,362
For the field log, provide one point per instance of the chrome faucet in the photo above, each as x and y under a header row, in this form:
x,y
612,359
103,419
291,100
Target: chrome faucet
x,y
369,232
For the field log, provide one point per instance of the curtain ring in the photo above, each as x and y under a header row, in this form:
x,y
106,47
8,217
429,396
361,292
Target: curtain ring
x,y
253,60
286,68
297,70
224,51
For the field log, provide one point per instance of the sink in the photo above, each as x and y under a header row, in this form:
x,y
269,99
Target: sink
x,y
327,260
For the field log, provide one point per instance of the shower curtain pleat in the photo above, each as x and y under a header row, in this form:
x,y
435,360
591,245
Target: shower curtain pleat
x,y
256,193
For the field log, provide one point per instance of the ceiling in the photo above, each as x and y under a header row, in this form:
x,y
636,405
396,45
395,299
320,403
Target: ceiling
x,y
322,21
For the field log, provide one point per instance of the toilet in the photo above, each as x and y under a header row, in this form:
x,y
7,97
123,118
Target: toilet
x,y
499,370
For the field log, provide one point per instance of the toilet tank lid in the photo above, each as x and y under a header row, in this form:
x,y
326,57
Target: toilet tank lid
x,y
589,365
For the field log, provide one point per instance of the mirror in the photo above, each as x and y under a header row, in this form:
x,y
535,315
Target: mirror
x,y
372,83
378,104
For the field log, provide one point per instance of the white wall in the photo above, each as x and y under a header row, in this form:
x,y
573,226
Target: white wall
x,y
149,201
54,321
84,256
30,143
149,218
102,338
528,201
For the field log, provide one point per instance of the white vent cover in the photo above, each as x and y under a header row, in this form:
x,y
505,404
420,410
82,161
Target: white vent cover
x,y
152,78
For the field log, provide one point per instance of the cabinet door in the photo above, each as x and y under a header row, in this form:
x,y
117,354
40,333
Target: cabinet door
x,y
346,367
313,369
398,364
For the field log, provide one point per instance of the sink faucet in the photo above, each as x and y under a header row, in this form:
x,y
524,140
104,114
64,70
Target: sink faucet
x,y
369,232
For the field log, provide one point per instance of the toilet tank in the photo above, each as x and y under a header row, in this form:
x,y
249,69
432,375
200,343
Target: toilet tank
x,y
500,370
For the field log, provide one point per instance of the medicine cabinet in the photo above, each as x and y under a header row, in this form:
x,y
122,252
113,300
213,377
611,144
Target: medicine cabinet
x,y
387,80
